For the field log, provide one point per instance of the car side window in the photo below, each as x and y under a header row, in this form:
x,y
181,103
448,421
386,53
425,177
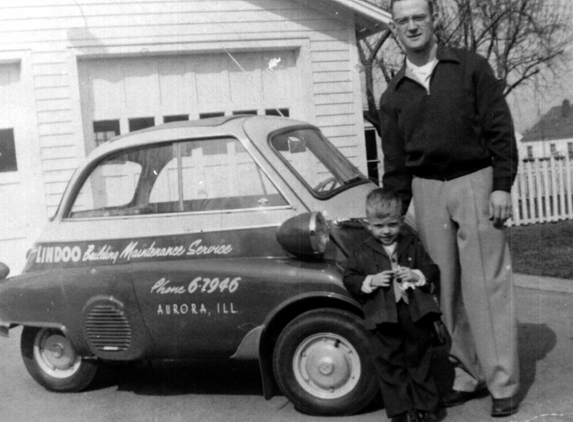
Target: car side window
x,y
187,176
215,174
110,189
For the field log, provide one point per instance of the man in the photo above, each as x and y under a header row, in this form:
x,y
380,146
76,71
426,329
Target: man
x,y
448,143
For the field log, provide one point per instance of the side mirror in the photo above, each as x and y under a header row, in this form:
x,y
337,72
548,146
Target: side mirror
x,y
296,145
305,234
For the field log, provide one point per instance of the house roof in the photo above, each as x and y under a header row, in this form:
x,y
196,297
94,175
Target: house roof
x,y
557,123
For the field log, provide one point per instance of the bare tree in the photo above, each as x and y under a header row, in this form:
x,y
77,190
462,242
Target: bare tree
x,y
524,40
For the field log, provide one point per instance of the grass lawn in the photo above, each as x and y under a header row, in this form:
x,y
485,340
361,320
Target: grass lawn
x,y
543,249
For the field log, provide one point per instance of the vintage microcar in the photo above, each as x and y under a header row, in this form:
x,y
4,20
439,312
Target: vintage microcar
x,y
218,238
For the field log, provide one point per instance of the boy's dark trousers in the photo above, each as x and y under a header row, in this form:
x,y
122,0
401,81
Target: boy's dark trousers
x,y
402,357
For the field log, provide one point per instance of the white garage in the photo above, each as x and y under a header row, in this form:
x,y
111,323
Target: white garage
x,y
74,73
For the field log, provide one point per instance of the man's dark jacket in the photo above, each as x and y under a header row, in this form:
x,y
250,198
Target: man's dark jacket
x,y
462,125
380,306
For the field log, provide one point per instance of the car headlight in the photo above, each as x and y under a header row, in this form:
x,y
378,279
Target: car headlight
x,y
305,234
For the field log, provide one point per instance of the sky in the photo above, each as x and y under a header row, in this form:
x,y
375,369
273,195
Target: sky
x,y
528,106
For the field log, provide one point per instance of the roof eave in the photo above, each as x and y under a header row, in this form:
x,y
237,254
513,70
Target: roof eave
x,y
370,18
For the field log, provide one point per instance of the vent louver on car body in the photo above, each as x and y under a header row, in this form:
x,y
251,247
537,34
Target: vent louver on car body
x,y
108,329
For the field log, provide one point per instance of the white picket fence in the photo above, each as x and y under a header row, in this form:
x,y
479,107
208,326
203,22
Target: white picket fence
x,y
542,191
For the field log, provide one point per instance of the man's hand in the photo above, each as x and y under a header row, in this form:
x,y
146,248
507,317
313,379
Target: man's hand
x,y
499,207
382,279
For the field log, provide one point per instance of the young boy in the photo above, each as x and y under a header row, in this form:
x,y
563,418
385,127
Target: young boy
x,y
391,275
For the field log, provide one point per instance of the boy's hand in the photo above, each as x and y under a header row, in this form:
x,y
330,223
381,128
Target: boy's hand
x,y
406,275
382,279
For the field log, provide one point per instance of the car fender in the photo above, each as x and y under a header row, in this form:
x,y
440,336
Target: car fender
x,y
30,300
27,299
49,298
282,315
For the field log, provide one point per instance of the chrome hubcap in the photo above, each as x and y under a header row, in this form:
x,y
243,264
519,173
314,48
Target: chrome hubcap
x,y
55,354
326,365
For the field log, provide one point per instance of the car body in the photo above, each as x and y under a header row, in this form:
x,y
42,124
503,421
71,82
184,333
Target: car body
x,y
220,238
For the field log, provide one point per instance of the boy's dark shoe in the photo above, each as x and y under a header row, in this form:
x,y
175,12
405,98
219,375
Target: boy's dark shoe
x,y
410,416
504,407
455,397
431,416
413,416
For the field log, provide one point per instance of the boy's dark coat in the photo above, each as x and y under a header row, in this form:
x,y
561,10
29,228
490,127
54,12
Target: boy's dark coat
x,y
380,306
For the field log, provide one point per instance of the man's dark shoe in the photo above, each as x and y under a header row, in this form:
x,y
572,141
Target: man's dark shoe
x,y
455,397
504,407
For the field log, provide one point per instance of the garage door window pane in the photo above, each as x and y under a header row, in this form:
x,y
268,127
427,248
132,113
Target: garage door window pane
x,y
141,123
245,112
210,115
104,130
7,151
282,112
175,118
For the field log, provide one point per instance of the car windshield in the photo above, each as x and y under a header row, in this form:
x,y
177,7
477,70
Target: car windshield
x,y
315,160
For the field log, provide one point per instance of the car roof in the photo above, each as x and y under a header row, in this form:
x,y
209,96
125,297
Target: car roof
x,y
209,127
209,122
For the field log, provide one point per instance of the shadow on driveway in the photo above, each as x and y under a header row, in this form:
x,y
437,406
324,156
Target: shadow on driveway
x,y
173,378
535,341
226,377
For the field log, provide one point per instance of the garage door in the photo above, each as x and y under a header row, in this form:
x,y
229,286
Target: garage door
x,y
122,95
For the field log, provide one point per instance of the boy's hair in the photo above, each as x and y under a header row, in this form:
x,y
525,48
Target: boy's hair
x,y
382,203
430,4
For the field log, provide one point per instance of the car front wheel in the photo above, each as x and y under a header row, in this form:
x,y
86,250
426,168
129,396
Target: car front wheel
x,y
322,363
52,361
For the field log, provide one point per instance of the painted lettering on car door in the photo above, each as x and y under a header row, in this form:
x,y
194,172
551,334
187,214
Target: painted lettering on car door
x,y
196,286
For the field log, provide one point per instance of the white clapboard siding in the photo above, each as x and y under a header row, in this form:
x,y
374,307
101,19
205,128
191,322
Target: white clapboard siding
x,y
42,9
327,77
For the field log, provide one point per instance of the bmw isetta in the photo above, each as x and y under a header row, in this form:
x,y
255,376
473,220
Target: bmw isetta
x,y
219,238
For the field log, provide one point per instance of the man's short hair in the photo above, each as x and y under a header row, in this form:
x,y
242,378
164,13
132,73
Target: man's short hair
x,y
430,4
382,203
